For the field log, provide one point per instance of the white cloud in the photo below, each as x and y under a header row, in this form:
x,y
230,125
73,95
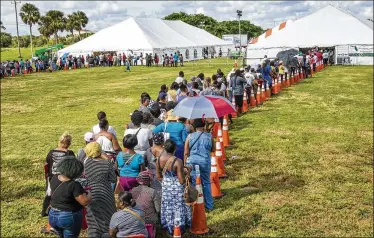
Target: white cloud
x,y
102,14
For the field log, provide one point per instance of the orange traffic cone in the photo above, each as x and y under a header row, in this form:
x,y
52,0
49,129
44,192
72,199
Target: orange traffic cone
x,y
221,165
177,229
215,127
65,67
225,132
25,71
276,86
287,81
12,72
252,101
292,80
263,95
214,179
234,115
199,225
220,139
258,95
273,88
74,67
267,93
245,102
279,84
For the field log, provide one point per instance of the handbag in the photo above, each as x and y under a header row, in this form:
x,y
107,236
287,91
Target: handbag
x,y
83,178
190,193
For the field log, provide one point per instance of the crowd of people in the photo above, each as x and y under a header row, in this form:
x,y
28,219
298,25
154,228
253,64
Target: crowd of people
x,y
131,186
104,59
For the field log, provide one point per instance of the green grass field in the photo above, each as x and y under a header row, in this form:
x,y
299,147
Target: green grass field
x,y
12,53
303,164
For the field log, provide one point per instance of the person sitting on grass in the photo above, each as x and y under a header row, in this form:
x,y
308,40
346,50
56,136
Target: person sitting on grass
x,y
149,200
129,220
68,198
129,163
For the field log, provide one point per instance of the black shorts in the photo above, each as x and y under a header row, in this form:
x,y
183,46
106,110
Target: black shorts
x,y
239,100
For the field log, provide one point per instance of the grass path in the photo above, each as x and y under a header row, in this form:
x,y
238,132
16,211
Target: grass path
x,y
303,163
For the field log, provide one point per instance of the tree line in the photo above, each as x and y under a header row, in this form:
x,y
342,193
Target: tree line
x,y
50,24
217,28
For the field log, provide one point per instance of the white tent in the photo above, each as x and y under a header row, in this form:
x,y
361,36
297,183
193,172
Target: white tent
x,y
148,36
329,27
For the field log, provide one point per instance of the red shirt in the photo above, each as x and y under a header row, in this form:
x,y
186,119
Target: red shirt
x,y
110,58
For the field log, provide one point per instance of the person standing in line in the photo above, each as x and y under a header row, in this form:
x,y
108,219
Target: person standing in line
x,y
176,57
237,83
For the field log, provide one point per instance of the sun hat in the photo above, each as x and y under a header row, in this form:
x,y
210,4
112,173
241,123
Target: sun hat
x,y
170,116
89,137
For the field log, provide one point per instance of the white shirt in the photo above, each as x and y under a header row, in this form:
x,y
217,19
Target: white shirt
x,y
315,59
143,136
179,80
249,77
96,130
325,55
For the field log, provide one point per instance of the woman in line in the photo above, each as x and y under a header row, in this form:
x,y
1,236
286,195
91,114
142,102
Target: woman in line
x,y
176,130
129,163
237,83
198,147
149,200
147,122
169,170
68,198
143,135
183,93
100,175
53,158
108,141
129,220
172,93
152,155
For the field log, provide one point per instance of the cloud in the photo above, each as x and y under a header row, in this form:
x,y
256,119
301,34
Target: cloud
x,y
102,14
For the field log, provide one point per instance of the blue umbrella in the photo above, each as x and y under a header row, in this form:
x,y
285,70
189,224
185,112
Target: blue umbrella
x,y
203,107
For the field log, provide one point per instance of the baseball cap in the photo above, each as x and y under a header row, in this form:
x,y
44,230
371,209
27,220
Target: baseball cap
x,y
89,137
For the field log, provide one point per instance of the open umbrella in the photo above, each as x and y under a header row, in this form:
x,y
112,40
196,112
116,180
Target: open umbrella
x,y
203,107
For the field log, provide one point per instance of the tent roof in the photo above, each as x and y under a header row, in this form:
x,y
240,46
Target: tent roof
x,y
327,27
145,34
270,32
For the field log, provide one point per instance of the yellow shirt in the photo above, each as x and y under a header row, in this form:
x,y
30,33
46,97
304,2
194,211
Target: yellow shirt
x,y
281,69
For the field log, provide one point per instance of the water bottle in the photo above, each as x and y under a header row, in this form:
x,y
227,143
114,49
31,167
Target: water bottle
x,y
197,170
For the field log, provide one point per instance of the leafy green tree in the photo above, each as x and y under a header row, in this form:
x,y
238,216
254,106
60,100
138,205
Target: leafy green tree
x,y
2,26
71,24
5,40
217,28
30,15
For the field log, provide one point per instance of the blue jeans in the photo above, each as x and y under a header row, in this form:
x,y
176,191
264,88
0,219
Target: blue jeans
x,y
66,223
205,180
179,152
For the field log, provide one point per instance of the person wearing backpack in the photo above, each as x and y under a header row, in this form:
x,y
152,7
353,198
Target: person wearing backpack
x,y
129,163
237,83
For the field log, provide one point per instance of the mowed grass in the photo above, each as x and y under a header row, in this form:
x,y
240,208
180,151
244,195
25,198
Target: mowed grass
x,y
303,164
12,53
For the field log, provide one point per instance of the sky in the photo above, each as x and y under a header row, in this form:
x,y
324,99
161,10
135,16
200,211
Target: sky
x,y
102,14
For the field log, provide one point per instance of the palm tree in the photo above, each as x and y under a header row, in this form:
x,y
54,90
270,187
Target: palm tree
x,y
29,15
52,22
82,21
71,24
2,26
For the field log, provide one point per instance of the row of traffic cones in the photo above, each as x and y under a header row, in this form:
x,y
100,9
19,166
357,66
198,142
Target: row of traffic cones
x,y
199,224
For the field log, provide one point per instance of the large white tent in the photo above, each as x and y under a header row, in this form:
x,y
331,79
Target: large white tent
x,y
329,27
148,35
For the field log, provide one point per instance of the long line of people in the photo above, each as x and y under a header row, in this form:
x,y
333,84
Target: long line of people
x,y
148,174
